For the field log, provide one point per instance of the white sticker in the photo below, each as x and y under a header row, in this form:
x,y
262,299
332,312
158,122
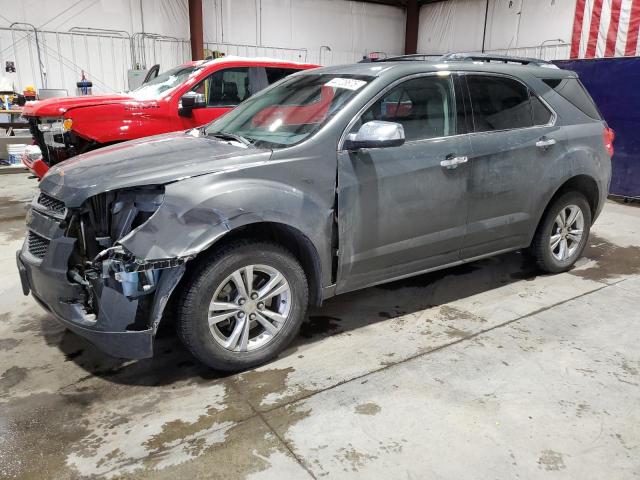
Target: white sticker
x,y
348,83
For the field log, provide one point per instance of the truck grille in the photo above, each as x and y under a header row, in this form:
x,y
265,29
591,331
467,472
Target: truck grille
x,y
37,245
53,154
39,138
52,204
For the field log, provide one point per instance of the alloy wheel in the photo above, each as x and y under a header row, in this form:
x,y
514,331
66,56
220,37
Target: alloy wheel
x,y
249,308
566,232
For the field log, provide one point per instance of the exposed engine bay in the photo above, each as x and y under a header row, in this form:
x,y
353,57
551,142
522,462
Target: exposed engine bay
x,y
99,262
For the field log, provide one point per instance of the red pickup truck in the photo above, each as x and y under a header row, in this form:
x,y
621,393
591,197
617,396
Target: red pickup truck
x,y
187,96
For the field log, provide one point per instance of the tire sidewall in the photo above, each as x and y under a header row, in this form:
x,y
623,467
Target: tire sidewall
x,y
546,258
196,311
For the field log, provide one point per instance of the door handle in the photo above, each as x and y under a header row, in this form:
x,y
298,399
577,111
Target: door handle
x,y
545,142
452,162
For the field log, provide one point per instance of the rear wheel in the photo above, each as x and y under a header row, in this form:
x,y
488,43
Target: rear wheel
x,y
243,306
563,233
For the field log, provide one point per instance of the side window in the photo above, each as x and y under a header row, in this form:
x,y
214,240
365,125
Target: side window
x,y
225,88
424,106
540,112
499,103
275,74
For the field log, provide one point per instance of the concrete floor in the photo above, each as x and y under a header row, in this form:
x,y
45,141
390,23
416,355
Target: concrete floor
x,y
482,371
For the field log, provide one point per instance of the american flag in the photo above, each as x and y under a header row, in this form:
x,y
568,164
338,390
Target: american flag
x,y
605,28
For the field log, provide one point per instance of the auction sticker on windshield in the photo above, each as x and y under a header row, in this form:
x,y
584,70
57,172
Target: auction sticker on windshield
x,y
348,83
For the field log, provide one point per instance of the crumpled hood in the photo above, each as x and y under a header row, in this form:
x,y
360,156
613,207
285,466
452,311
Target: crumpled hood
x,y
54,107
146,161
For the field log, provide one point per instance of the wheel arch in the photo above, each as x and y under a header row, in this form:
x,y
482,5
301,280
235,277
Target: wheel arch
x,y
296,242
582,183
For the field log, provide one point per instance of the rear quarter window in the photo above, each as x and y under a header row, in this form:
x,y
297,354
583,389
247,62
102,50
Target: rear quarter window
x,y
572,90
275,74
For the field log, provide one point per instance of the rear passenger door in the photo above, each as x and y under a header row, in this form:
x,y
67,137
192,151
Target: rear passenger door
x,y
513,138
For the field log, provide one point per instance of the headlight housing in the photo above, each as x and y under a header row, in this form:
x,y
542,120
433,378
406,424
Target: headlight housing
x,y
110,216
55,125
131,208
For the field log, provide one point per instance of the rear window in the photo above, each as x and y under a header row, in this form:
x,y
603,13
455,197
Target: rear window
x,y
275,74
573,91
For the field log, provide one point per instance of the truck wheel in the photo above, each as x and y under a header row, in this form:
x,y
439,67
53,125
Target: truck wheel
x,y
243,306
562,233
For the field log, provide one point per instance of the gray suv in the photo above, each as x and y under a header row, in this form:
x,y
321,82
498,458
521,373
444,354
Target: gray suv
x,y
329,181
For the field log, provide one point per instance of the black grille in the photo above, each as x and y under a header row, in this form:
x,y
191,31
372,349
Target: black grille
x,y
37,245
52,204
39,138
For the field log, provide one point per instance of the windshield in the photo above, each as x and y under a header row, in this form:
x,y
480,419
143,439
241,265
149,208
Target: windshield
x,y
291,111
154,89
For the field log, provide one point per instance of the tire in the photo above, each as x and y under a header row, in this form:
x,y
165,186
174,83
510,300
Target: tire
x,y
555,260
220,346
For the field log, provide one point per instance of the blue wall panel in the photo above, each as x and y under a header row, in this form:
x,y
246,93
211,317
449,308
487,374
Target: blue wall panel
x,y
614,84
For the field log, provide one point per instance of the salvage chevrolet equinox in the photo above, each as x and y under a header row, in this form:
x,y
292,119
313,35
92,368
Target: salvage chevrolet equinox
x,y
328,181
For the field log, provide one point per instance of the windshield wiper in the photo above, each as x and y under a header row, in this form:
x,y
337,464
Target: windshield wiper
x,y
231,136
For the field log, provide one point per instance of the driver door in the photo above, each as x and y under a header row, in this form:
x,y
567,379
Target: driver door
x,y
401,210
224,90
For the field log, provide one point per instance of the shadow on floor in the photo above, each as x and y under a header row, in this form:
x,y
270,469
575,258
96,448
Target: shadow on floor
x,y
173,363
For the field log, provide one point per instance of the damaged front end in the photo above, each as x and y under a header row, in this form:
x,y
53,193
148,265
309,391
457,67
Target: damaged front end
x,y
74,265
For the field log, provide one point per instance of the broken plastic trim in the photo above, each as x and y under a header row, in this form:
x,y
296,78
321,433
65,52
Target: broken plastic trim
x,y
143,265
137,277
129,263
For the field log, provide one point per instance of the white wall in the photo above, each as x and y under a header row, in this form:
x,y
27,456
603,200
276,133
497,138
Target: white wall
x,y
169,17
350,29
457,25
64,56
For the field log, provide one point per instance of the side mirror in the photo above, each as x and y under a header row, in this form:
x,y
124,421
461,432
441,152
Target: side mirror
x,y
376,134
189,101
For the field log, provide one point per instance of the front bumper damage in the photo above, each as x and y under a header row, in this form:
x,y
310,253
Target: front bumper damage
x,y
117,305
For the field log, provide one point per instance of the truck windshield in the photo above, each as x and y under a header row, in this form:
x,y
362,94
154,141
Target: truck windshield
x,y
155,88
291,111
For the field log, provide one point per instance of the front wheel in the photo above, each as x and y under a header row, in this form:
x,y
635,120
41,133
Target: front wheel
x,y
563,233
243,305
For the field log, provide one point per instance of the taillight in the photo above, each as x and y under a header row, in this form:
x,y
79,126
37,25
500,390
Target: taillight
x,y
609,136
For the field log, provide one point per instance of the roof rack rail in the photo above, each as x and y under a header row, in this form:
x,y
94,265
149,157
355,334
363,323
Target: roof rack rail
x,y
415,56
489,57
470,57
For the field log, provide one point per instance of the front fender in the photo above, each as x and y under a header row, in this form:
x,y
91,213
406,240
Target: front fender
x,y
199,211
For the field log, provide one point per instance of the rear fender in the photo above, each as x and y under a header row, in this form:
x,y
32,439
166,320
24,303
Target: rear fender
x,y
583,158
